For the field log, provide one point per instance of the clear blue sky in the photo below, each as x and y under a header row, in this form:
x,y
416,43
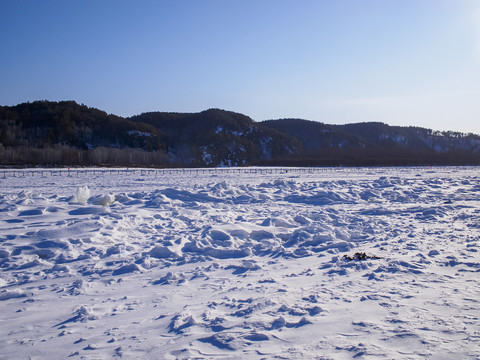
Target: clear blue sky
x,y
402,62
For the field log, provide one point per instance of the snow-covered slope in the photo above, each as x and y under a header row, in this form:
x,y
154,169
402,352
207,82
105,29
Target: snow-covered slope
x,y
240,263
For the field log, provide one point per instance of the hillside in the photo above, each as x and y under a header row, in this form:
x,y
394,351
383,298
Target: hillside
x,y
65,133
68,134
376,143
219,138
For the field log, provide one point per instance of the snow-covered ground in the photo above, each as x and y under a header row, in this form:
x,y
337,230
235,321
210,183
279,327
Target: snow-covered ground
x,y
234,264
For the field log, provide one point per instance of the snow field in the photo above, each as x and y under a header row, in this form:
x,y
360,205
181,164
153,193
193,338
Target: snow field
x,y
241,265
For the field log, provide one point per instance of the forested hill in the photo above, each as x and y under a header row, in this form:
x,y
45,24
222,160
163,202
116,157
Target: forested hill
x,y
68,134
220,138
375,143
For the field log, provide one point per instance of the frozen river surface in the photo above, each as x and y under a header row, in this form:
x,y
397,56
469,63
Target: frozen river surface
x,y
240,264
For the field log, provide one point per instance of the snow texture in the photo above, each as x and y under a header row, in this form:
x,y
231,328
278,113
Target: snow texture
x,y
241,264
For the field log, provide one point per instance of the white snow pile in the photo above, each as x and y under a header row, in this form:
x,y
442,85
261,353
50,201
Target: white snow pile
x,y
81,195
339,264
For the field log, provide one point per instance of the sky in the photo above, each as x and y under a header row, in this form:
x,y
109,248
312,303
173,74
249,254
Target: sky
x,y
401,62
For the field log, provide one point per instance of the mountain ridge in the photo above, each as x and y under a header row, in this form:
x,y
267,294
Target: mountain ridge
x,y
67,134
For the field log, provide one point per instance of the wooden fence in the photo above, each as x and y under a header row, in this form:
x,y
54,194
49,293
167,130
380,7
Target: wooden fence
x,y
79,172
